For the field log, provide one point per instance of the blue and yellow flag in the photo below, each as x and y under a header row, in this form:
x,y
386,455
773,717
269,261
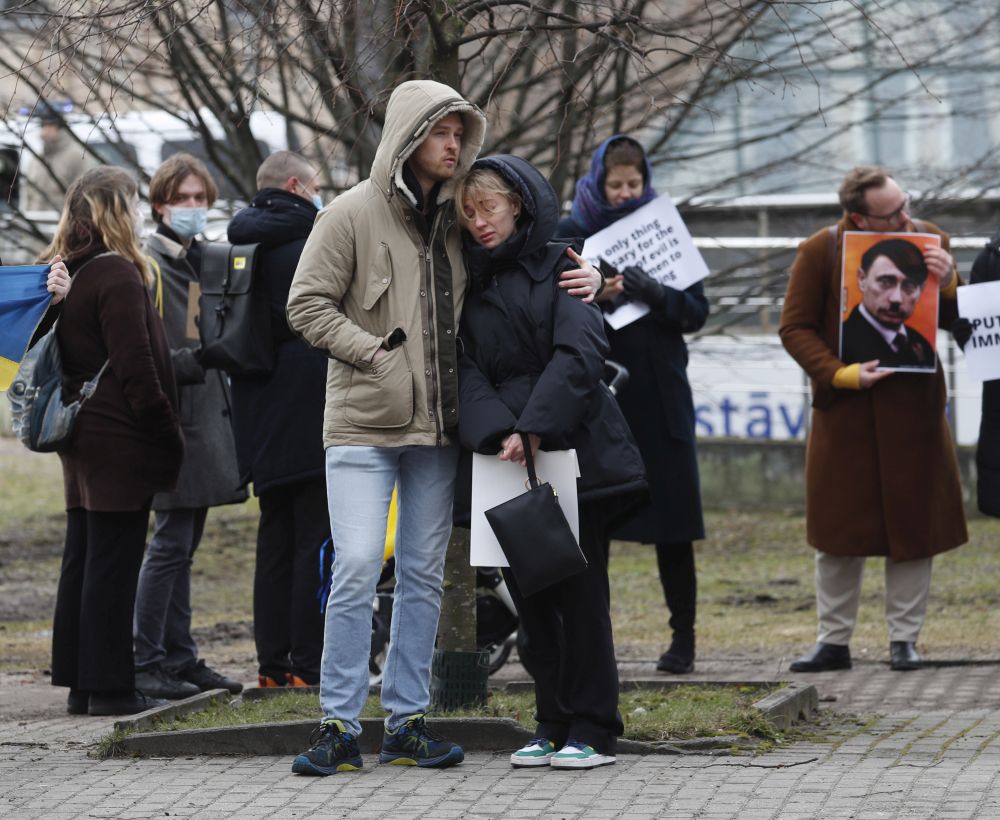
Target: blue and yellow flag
x,y
23,301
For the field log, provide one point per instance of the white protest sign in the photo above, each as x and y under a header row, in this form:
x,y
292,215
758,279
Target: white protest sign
x,y
495,481
656,239
980,304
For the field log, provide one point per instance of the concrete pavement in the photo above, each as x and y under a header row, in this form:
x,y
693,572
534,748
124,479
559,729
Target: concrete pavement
x,y
933,753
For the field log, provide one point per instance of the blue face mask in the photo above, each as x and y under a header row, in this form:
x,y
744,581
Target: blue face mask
x,y
187,223
318,202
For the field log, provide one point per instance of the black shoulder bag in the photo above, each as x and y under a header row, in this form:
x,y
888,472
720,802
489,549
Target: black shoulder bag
x,y
535,535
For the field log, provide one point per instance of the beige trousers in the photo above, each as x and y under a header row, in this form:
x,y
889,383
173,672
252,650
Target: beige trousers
x,y
838,593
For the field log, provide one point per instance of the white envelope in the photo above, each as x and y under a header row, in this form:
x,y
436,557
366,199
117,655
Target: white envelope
x,y
495,481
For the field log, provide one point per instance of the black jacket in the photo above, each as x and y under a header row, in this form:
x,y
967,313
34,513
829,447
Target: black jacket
x,y
986,268
278,419
533,356
659,408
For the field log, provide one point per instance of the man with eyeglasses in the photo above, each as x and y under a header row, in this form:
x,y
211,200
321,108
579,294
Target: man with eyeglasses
x,y
891,279
881,473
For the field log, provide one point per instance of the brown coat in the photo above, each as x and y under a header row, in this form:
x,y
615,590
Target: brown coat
x,y
127,443
881,473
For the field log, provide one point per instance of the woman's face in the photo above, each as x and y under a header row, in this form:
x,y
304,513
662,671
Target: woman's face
x,y
489,217
622,183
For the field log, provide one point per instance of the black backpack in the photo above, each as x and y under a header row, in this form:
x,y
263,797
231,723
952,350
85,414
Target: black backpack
x,y
234,319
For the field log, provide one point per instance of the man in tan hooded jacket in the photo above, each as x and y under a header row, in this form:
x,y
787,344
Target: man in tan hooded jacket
x,y
379,287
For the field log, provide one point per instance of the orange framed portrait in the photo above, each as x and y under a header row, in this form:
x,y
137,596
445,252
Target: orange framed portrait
x,y
889,301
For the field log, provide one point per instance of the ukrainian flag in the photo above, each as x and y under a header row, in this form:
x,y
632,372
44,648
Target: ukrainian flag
x,y
23,301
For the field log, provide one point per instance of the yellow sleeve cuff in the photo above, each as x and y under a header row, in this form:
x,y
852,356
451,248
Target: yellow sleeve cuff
x,y
848,377
951,291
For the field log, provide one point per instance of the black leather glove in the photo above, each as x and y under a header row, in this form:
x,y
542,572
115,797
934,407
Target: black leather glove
x,y
962,331
640,286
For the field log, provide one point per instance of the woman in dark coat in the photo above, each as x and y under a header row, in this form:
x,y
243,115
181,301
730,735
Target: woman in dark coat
x,y
532,364
986,268
657,399
126,446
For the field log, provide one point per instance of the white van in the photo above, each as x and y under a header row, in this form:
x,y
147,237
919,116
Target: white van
x,y
133,139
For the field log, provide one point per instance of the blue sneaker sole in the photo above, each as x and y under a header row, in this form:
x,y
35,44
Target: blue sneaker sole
x,y
303,765
452,757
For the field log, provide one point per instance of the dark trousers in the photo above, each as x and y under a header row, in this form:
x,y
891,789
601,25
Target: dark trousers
x,y
92,629
680,588
288,623
568,648
163,599
675,562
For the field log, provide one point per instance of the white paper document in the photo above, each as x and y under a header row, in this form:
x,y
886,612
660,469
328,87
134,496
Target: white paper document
x,y
495,481
980,304
655,238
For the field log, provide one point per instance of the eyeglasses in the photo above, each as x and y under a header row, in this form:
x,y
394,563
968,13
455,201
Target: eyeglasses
x,y
895,214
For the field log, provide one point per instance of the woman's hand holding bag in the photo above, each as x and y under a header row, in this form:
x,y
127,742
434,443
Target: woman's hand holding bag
x,y
534,534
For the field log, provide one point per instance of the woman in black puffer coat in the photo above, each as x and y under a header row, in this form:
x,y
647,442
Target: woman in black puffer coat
x,y
532,363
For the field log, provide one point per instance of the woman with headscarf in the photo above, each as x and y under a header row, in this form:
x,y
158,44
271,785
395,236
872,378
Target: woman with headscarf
x,y
657,400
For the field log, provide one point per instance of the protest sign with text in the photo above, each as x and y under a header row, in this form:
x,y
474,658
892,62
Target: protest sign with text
x,y
655,239
980,304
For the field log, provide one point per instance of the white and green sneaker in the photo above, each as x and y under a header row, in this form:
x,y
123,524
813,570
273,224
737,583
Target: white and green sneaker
x,y
577,755
538,752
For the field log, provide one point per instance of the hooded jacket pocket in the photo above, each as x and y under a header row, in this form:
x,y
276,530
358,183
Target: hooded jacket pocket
x,y
381,396
380,277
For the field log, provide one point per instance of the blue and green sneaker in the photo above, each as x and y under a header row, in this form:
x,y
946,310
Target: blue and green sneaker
x,y
577,755
333,750
538,752
413,744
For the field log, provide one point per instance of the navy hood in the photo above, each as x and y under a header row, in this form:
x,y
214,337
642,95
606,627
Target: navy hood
x,y
540,201
274,217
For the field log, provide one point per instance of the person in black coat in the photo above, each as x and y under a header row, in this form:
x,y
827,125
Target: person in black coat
x,y
657,399
532,362
986,268
278,426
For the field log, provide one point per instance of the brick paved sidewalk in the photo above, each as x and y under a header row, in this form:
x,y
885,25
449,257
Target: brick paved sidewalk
x,y
935,754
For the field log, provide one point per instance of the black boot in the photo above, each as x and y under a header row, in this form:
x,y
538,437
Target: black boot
x,y
680,590
679,658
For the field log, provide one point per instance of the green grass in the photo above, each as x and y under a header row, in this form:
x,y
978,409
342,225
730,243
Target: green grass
x,y
677,713
756,593
755,584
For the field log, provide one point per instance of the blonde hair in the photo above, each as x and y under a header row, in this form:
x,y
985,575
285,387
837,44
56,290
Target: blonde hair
x,y
857,183
484,181
98,208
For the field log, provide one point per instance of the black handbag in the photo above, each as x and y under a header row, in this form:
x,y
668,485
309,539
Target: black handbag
x,y
535,535
39,417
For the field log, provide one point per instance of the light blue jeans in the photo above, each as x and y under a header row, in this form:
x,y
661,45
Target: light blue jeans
x,y
359,483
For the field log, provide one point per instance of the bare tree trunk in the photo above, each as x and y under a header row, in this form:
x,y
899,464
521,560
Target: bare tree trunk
x,y
456,629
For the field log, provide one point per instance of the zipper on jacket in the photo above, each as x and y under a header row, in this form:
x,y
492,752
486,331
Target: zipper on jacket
x,y
432,334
